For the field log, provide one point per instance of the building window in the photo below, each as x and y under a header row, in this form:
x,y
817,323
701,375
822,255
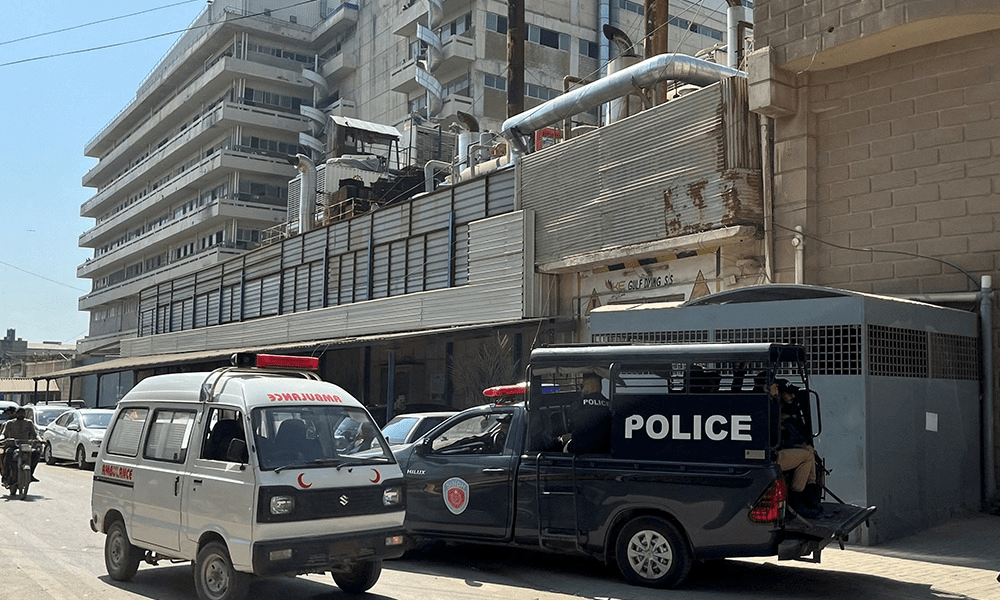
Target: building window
x,y
540,92
495,81
456,27
589,49
497,23
548,37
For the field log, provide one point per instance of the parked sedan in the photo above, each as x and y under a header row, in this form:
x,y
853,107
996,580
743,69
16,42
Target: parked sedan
x,y
410,427
76,435
43,414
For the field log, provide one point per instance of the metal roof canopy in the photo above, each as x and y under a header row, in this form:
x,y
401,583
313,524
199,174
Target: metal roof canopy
x,y
164,360
19,385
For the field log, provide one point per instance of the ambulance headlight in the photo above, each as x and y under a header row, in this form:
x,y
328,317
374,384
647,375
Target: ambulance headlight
x,y
392,496
282,505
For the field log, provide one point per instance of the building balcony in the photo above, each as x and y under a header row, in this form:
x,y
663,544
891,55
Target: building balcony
x,y
339,66
458,53
161,238
337,22
404,78
343,108
453,105
411,12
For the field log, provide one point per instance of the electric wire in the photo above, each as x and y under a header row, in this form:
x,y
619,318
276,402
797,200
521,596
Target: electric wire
x,y
151,37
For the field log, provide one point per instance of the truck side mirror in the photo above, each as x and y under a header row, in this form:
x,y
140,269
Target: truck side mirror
x,y
423,447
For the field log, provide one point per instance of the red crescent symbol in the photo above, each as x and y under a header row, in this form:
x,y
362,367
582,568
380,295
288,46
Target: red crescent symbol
x,y
378,477
303,484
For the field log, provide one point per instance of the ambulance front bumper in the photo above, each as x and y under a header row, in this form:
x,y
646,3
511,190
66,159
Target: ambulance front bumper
x,y
324,553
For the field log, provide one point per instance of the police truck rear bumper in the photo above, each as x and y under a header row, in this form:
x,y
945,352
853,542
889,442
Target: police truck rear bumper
x,y
323,553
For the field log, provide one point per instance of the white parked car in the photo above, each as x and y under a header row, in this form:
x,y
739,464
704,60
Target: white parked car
x,y
76,435
410,427
43,414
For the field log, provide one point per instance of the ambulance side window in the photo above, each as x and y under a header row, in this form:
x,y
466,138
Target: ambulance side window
x,y
169,435
224,426
127,432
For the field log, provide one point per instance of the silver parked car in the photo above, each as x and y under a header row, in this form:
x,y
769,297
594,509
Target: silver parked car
x,y
76,435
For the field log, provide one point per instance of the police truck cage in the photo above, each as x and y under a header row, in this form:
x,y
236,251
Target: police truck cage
x,y
272,364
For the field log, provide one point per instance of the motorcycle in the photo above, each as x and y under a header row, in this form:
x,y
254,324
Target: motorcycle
x,y
19,465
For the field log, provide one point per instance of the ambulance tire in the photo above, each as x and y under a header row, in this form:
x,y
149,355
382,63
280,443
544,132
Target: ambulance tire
x,y
121,558
361,577
214,575
652,552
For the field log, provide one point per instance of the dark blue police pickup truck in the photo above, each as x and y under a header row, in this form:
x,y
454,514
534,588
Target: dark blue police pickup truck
x,y
651,456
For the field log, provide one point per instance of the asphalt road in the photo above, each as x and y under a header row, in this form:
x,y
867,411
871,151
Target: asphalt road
x,y
48,552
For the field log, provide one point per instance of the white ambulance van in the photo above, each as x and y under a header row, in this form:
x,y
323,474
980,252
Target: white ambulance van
x,y
256,469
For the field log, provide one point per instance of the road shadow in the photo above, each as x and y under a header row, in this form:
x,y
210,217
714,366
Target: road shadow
x,y
176,582
711,579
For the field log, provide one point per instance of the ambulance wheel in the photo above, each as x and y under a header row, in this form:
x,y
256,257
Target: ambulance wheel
x,y
121,558
651,552
214,575
360,578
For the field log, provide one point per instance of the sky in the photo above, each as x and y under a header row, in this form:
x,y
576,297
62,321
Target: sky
x,y
50,109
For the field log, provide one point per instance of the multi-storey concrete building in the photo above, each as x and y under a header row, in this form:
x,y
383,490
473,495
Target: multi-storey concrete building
x,y
193,169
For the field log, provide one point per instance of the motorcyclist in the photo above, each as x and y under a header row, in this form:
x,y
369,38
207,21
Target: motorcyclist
x,y
18,428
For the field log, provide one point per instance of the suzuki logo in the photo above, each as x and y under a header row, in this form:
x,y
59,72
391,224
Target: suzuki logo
x,y
344,500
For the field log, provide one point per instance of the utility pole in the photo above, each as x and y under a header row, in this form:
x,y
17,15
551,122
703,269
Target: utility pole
x,y
515,57
657,16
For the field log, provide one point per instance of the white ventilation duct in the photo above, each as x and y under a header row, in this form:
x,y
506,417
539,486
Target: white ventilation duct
x,y
307,192
663,67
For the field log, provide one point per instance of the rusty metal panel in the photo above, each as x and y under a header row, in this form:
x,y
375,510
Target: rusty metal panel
x,y
601,191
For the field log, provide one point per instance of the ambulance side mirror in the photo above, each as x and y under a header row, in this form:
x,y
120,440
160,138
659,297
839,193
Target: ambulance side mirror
x,y
237,452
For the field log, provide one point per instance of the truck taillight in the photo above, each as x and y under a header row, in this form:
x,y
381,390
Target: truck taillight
x,y
770,507
276,361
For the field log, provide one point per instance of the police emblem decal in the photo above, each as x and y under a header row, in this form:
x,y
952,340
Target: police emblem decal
x,y
456,495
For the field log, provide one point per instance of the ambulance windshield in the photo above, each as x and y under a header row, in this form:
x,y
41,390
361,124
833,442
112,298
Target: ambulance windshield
x,y
316,435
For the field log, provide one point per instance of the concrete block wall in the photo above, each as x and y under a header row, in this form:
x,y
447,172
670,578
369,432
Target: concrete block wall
x,y
908,161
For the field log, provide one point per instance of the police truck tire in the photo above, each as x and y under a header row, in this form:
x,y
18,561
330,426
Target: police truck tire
x,y
652,552
121,558
360,578
47,455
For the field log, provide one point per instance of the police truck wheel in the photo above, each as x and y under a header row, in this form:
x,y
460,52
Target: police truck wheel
x,y
360,578
651,552
121,558
214,575
47,455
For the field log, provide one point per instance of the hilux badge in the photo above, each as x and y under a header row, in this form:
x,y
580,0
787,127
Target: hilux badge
x,y
456,495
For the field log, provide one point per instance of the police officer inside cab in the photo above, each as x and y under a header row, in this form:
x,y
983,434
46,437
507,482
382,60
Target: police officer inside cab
x,y
590,419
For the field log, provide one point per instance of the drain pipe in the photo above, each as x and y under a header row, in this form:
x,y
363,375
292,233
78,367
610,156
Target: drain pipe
x,y
767,191
986,327
662,67
307,193
799,243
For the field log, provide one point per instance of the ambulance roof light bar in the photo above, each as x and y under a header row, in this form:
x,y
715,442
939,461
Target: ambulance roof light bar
x,y
275,361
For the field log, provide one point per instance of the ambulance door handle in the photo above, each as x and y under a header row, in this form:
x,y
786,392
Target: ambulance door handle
x,y
177,485
495,470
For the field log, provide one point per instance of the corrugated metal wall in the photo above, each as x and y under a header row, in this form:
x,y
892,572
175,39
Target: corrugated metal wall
x,y
697,169
442,241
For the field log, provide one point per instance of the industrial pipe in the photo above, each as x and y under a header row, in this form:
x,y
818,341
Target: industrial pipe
x,y
307,193
663,67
